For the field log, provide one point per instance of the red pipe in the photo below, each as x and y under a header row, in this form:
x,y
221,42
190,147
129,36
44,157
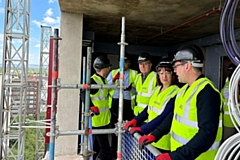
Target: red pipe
x,y
183,24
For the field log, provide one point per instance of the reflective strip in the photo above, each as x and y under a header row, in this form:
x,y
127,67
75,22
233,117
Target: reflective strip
x,y
145,94
187,108
141,105
168,97
103,109
149,93
220,123
226,112
98,98
156,110
184,141
133,97
187,122
101,96
159,111
191,123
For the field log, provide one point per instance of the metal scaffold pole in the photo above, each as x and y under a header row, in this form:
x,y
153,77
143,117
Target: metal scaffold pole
x,y
54,94
15,65
87,104
46,32
120,110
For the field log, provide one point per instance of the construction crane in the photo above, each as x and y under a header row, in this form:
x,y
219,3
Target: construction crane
x,y
14,64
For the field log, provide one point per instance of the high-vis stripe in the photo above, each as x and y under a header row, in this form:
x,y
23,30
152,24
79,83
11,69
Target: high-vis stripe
x,y
141,105
183,141
103,109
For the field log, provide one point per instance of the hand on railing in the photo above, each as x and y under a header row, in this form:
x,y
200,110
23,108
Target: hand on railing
x,y
144,140
132,123
135,130
164,156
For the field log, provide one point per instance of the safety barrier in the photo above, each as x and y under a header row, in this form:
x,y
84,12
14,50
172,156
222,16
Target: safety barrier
x,y
131,151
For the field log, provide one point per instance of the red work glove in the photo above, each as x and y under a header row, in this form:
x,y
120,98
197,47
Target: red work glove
x,y
129,88
95,110
164,156
144,140
116,77
136,130
132,123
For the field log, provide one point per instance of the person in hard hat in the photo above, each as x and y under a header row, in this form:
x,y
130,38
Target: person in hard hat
x,y
100,105
195,125
128,97
160,105
228,127
144,83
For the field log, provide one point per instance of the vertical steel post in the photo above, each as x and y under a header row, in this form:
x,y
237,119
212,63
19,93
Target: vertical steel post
x,y
54,93
82,109
120,110
87,103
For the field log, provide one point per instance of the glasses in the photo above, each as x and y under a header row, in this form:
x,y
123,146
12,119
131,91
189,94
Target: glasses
x,y
164,73
180,64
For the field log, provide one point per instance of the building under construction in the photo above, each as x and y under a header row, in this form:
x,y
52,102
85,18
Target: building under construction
x,y
89,29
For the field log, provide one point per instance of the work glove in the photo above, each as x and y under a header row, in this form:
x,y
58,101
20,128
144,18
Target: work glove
x,y
144,140
136,130
116,77
129,88
94,110
164,156
132,123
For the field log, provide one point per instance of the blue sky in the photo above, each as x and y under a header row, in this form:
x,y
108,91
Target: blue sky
x,y
42,12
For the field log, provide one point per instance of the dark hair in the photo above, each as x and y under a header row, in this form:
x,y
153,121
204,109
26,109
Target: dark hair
x,y
174,80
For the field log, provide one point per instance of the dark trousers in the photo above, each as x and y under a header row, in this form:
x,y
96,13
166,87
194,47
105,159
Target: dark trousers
x,y
101,144
127,115
127,109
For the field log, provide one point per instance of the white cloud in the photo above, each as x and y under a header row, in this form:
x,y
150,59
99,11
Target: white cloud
x,y
1,38
52,1
33,58
37,23
48,20
1,42
37,46
49,12
2,10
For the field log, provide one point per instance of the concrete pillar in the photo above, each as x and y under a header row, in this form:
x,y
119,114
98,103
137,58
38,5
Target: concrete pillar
x,y
69,71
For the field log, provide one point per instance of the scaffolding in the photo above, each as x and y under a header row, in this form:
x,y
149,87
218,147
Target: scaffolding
x,y
46,32
15,63
124,139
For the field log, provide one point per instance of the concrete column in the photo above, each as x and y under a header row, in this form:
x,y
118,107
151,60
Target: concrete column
x,y
69,71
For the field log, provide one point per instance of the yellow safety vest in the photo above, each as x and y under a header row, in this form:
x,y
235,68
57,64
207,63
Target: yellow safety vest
x,y
144,91
100,100
132,76
185,123
227,122
156,106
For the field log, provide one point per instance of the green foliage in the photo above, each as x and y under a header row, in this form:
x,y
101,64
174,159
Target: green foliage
x,y
30,142
31,71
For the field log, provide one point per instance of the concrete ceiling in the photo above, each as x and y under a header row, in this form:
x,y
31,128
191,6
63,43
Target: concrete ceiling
x,y
149,22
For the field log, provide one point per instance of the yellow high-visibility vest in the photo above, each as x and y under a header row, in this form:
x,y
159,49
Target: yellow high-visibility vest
x,y
156,106
132,76
100,100
185,123
227,121
144,91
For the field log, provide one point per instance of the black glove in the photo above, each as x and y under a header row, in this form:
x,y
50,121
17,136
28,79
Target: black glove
x,y
129,88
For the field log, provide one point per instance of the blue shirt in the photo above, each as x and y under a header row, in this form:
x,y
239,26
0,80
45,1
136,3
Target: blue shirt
x,y
126,94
